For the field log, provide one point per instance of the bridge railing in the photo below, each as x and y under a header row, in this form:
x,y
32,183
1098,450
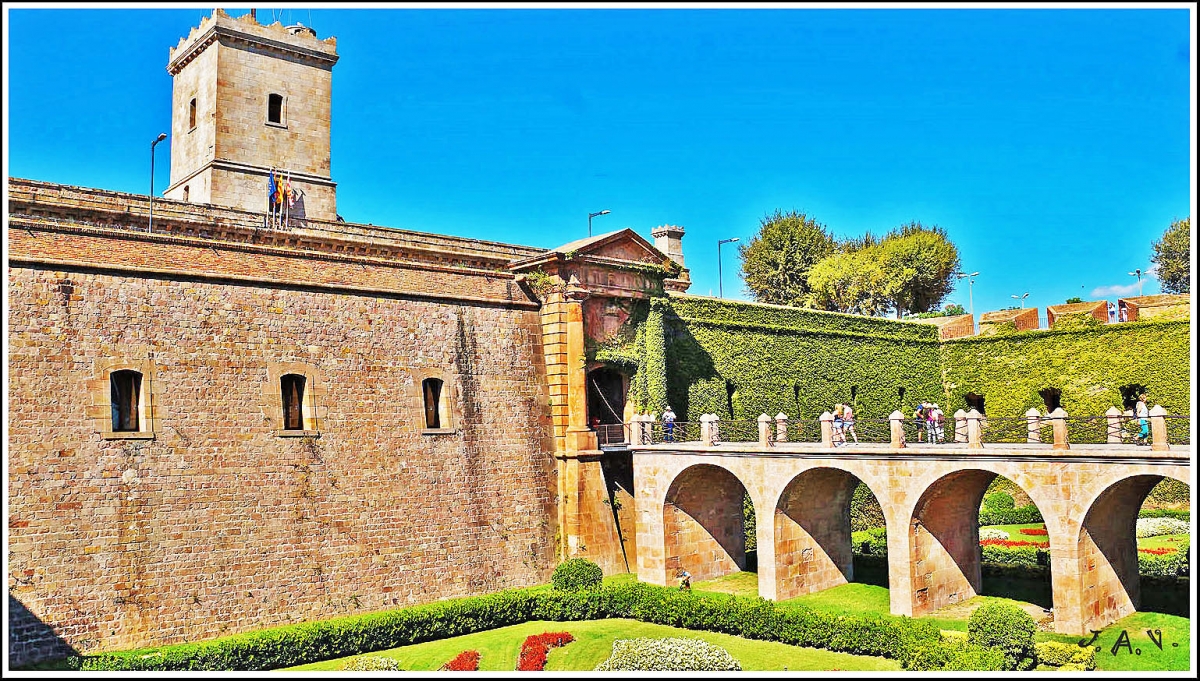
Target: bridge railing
x,y
872,431
972,430
1179,429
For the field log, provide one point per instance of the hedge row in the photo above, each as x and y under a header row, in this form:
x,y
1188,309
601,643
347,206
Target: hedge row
x,y
1170,565
881,636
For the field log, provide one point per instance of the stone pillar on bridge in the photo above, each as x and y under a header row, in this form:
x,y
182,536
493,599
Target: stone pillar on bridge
x,y
1059,418
896,430
706,429
1158,429
764,430
1033,419
1114,425
974,432
960,426
826,430
781,427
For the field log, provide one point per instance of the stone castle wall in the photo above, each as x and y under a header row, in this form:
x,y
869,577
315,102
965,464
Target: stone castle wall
x,y
218,523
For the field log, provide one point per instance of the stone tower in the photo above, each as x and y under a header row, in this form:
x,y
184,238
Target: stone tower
x,y
248,98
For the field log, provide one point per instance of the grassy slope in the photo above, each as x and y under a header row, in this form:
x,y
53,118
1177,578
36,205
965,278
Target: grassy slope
x,y
499,649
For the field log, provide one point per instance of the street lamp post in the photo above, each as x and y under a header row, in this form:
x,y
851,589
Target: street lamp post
x,y
720,282
161,136
970,289
1021,298
1138,273
592,215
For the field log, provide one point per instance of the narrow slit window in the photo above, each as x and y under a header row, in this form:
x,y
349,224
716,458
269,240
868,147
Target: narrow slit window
x,y
275,109
192,114
431,388
292,386
186,192
125,389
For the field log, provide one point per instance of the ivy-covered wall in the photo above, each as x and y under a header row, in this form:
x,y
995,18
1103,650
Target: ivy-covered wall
x,y
1088,363
739,360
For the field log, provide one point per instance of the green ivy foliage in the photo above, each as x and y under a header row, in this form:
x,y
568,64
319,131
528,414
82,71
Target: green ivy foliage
x,y
1089,366
739,361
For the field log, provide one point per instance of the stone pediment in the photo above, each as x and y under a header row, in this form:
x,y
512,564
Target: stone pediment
x,y
617,264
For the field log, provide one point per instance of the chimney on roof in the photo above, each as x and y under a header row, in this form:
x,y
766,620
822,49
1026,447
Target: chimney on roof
x,y
668,239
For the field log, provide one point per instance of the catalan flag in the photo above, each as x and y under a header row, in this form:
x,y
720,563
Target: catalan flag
x,y
278,200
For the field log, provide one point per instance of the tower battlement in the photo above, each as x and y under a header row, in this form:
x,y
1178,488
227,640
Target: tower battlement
x,y
250,100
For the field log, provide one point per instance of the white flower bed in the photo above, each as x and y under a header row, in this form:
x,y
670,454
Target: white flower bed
x,y
992,533
371,663
668,655
1156,527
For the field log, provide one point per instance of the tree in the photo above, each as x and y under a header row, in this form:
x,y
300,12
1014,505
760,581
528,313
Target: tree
x,y
777,260
1075,299
919,264
954,310
849,282
1172,255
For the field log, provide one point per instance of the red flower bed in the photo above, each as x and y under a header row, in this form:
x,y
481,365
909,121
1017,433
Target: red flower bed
x,y
535,649
466,661
1158,552
1035,531
1009,543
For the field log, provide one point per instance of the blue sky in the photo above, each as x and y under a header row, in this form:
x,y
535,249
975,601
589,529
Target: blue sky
x,y
1053,145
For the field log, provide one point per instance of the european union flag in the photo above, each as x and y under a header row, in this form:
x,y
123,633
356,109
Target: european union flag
x,y
271,189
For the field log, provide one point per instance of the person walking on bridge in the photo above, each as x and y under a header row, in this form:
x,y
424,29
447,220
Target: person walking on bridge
x,y
1143,416
848,423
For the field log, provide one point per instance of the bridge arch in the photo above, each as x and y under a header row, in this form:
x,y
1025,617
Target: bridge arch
x,y
813,547
703,523
944,554
1107,551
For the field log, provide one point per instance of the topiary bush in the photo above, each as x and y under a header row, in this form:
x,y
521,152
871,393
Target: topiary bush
x,y
668,655
954,653
1006,628
371,663
1057,655
576,574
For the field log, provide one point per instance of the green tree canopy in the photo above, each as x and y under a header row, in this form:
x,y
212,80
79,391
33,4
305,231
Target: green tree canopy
x,y
852,282
919,264
777,260
1173,255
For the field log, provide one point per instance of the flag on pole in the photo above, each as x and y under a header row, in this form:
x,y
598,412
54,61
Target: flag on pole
x,y
288,192
279,192
271,189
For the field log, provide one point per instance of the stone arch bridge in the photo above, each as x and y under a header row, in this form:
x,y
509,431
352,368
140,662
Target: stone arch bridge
x,y
689,500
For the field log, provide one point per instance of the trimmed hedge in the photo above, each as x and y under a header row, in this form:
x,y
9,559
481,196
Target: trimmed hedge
x,y
955,653
1184,515
1054,654
877,635
1006,628
576,574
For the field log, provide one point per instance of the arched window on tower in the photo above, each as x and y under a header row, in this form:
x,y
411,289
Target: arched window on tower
x,y
125,389
275,109
292,389
431,390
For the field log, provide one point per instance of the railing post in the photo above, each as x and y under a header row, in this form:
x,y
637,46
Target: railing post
x,y
781,427
648,428
896,423
1158,429
1114,426
635,429
1033,420
706,435
1059,416
826,430
764,430
974,434
960,426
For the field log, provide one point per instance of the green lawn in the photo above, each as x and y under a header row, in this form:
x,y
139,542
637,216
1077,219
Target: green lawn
x,y
499,649
1175,637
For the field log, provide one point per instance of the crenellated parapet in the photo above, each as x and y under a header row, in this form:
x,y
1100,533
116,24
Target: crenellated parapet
x,y
294,42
